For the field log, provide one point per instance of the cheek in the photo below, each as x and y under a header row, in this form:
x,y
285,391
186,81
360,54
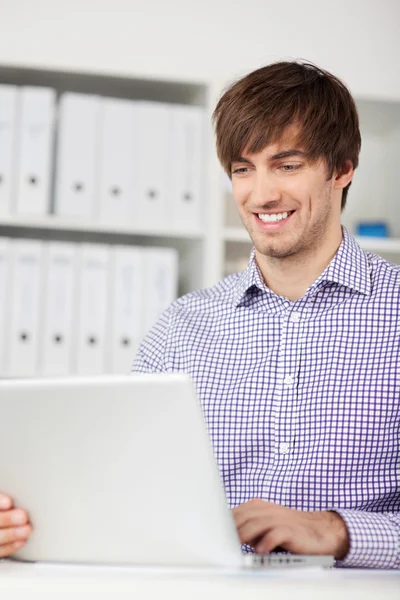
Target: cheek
x,y
306,196
241,191
297,189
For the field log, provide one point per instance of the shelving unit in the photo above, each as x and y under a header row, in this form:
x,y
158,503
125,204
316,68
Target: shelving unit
x,y
198,260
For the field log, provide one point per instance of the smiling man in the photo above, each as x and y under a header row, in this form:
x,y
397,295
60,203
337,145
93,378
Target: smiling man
x,y
296,359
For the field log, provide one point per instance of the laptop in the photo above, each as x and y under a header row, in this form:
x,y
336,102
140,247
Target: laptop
x,y
119,470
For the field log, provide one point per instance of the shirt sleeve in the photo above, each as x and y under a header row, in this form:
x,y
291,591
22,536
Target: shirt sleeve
x,y
374,539
150,357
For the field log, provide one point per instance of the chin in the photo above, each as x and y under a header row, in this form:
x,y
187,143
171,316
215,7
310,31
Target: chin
x,y
277,250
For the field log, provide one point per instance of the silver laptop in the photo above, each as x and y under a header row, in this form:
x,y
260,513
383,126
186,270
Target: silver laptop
x,y
118,470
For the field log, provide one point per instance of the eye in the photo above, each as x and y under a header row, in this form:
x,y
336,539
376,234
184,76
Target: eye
x,y
239,170
289,168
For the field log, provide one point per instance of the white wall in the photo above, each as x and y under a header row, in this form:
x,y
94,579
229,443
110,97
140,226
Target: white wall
x,y
207,39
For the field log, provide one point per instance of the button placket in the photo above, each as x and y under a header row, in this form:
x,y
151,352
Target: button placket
x,y
291,326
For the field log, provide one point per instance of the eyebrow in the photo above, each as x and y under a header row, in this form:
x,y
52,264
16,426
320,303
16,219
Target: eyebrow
x,y
287,154
283,154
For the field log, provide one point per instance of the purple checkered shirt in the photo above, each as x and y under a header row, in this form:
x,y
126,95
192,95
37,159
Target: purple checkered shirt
x,y
301,398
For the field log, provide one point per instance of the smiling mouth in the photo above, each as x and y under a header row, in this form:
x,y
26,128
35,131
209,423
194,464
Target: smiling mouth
x,y
275,217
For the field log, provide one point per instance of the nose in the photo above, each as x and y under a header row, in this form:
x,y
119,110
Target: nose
x,y
265,189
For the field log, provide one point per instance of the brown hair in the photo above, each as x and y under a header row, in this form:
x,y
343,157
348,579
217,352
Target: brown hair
x,y
256,110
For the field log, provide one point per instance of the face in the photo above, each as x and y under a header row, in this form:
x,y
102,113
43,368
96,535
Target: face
x,y
286,203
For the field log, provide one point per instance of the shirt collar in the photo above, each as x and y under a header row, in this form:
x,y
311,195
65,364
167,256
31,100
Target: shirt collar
x,y
251,277
349,267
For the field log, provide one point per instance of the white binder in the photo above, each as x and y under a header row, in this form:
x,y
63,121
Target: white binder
x,y
4,297
117,161
160,283
24,298
8,122
186,169
152,208
92,309
58,309
77,153
126,308
35,131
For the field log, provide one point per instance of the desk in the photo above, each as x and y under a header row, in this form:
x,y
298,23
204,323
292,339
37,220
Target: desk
x,y
34,581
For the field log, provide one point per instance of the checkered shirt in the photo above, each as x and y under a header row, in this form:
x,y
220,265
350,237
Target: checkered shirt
x,y
301,398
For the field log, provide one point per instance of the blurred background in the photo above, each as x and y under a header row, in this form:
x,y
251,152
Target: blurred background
x,y
112,201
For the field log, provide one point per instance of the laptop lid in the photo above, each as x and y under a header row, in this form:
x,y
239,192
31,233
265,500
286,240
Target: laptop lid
x,y
115,469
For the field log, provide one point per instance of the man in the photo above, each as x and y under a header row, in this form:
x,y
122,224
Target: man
x,y
296,359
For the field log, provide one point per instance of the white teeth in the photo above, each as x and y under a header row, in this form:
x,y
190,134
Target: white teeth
x,y
272,218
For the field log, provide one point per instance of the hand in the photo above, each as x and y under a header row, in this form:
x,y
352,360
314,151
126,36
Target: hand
x,y
265,526
14,527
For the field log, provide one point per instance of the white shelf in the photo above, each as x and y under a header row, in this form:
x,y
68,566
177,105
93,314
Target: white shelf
x,y
52,222
372,244
385,245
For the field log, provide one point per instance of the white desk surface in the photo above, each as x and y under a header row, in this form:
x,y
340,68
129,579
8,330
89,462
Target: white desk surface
x,y
40,580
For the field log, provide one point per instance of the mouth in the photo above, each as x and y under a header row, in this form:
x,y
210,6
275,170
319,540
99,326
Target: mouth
x,y
273,221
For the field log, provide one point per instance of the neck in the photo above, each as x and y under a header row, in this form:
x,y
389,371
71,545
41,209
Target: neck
x,y
291,276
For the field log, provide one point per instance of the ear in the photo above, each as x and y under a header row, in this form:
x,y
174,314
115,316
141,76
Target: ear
x,y
344,176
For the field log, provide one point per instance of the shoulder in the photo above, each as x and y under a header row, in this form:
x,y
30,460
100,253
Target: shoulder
x,y
385,287
208,298
189,317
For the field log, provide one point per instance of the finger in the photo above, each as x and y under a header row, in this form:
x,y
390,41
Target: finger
x,y
5,502
14,534
10,548
253,529
246,512
16,516
257,508
250,505
279,536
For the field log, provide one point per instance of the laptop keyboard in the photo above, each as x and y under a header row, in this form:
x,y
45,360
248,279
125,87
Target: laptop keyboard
x,y
286,560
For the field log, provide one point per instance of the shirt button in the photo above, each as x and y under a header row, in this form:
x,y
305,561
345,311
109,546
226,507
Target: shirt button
x,y
283,448
295,317
289,380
